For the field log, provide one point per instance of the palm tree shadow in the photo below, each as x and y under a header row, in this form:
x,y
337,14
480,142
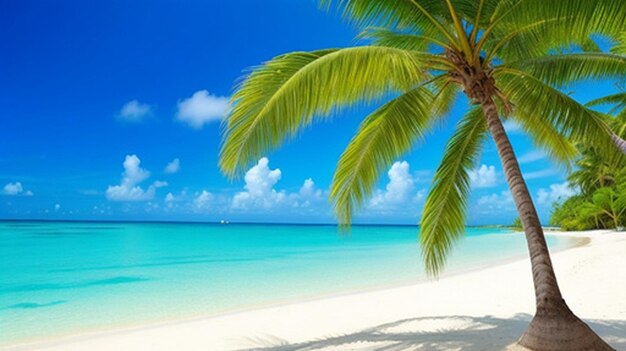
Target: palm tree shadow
x,y
435,333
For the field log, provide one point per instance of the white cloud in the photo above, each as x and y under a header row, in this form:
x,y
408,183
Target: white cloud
x,y
399,188
129,189
483,177
307,195
181,200
203,200
308,189
557,192
173,167
260,192
15,189
134,111
159,184
497,201
202,108
531,156
541,173
57,207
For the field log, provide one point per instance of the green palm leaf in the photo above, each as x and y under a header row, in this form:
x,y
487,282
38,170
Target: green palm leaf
x,y
446,96
570,22
559,70
443,220
543,134
620,47
389,38
530,96
282,96
614,99
382,137
618,101
404,14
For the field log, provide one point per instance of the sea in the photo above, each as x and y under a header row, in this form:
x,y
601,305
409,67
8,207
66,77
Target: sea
x,y
65,278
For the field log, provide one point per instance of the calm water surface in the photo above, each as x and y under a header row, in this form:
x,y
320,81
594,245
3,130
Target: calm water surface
x,y
59,278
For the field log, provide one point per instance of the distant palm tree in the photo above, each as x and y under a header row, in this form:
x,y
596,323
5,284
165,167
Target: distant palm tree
x,y
610,203
508,57
595,170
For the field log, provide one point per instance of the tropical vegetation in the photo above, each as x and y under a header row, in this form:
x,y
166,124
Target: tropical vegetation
x,y
509,59
600,178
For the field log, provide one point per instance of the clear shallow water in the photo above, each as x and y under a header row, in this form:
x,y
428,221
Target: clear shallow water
x,y
59,278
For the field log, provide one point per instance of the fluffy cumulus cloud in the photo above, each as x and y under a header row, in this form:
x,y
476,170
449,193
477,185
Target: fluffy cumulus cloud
x,y
134,111
15,189
557,192
484,177
129,189
183,200
202,200
173,167
399,189
308,194
259,187
202,108
260,193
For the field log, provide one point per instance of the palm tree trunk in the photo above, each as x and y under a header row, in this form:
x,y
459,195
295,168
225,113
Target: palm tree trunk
x,y
554,326
619,142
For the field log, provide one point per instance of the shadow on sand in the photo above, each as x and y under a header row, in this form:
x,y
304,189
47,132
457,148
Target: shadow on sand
x,y
435,333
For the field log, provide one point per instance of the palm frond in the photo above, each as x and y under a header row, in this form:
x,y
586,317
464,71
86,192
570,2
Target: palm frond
x,y
572,22
581,18
443,219
416,16
382,137
510,40
445,97
404,41
282,96
617,115
618,101
388,13
543,134
620,47
532,97
476,12
564,69
589,45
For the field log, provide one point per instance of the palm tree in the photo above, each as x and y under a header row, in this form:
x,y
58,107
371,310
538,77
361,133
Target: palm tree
x,y
508,57
610,203
595,170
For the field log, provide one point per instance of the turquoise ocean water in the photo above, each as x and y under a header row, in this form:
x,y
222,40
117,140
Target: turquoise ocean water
x,y
62,278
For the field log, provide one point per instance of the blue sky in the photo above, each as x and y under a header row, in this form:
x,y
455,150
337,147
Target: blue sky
x,y
111,111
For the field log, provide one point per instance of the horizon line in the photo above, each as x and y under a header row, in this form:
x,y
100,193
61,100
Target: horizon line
x,y
227,223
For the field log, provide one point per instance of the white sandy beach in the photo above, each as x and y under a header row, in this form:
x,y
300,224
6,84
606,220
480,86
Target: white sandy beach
x,y
486,309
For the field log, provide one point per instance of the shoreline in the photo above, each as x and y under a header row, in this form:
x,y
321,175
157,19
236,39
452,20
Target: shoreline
x,y
118,333
575,241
